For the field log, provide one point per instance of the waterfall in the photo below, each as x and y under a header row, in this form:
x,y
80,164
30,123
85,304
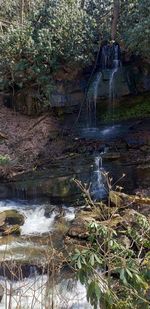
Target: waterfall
x,y
112,92
116,63
96,86
98,186
92,100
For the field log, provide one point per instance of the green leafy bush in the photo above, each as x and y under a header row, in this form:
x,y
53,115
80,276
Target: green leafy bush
x,y
134,26
59,33
115,263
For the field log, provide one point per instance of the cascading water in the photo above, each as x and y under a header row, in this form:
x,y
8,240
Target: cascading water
x,y
109,64
37,223
112,92
37,293
95,92
92,100
105,84
98,186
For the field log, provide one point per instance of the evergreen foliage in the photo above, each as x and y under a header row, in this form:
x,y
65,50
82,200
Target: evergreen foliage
x,y
114,263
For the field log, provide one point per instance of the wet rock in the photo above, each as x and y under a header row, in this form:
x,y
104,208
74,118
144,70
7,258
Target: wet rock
x,y
129,217
112,156
78,229
11,217
135,125
14,270
145,148
49,210
121,146
10,221
143,192
5,191
137,140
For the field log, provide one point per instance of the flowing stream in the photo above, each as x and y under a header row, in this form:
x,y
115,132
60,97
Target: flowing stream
x,y
36,292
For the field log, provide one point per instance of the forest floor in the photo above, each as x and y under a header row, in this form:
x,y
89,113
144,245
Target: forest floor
x,y
23,139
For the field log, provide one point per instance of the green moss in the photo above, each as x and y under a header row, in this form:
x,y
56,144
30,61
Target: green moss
x,y
139,108
4,160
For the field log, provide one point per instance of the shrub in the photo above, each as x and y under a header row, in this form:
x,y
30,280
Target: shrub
x,y
59,33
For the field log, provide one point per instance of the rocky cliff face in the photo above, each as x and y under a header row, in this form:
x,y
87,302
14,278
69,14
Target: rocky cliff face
x,y
70,85
131,77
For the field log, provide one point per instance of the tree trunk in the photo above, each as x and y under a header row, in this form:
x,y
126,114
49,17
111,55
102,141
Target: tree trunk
x,y
82,4
21,12
116,11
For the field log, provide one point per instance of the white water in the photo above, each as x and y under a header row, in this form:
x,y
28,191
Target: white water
x,y
37,223
98,186
37,293
69,213
112,130
112,81
14,245
7,204
112,94
22,250
95,90
92,100
35,220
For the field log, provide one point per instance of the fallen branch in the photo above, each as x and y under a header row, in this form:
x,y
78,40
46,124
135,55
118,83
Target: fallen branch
x,y
37,122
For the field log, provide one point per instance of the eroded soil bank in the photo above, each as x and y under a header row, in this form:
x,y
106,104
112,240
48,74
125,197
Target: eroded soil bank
x,y
24,139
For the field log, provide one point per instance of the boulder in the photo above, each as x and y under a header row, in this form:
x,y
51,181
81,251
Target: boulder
x,y
10,221
78,229
11,217
15,270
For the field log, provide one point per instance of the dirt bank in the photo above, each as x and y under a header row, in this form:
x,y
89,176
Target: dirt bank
x,y
23,139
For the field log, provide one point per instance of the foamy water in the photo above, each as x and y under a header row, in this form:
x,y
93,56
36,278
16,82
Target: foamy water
x,y
22,250
69,213
35,220
37,293
37,223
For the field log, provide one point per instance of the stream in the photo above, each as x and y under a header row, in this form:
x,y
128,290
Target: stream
x,y
48,199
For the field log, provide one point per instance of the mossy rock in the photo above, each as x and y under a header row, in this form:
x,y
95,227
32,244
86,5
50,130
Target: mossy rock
x,y
11,217
78,229
17,270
